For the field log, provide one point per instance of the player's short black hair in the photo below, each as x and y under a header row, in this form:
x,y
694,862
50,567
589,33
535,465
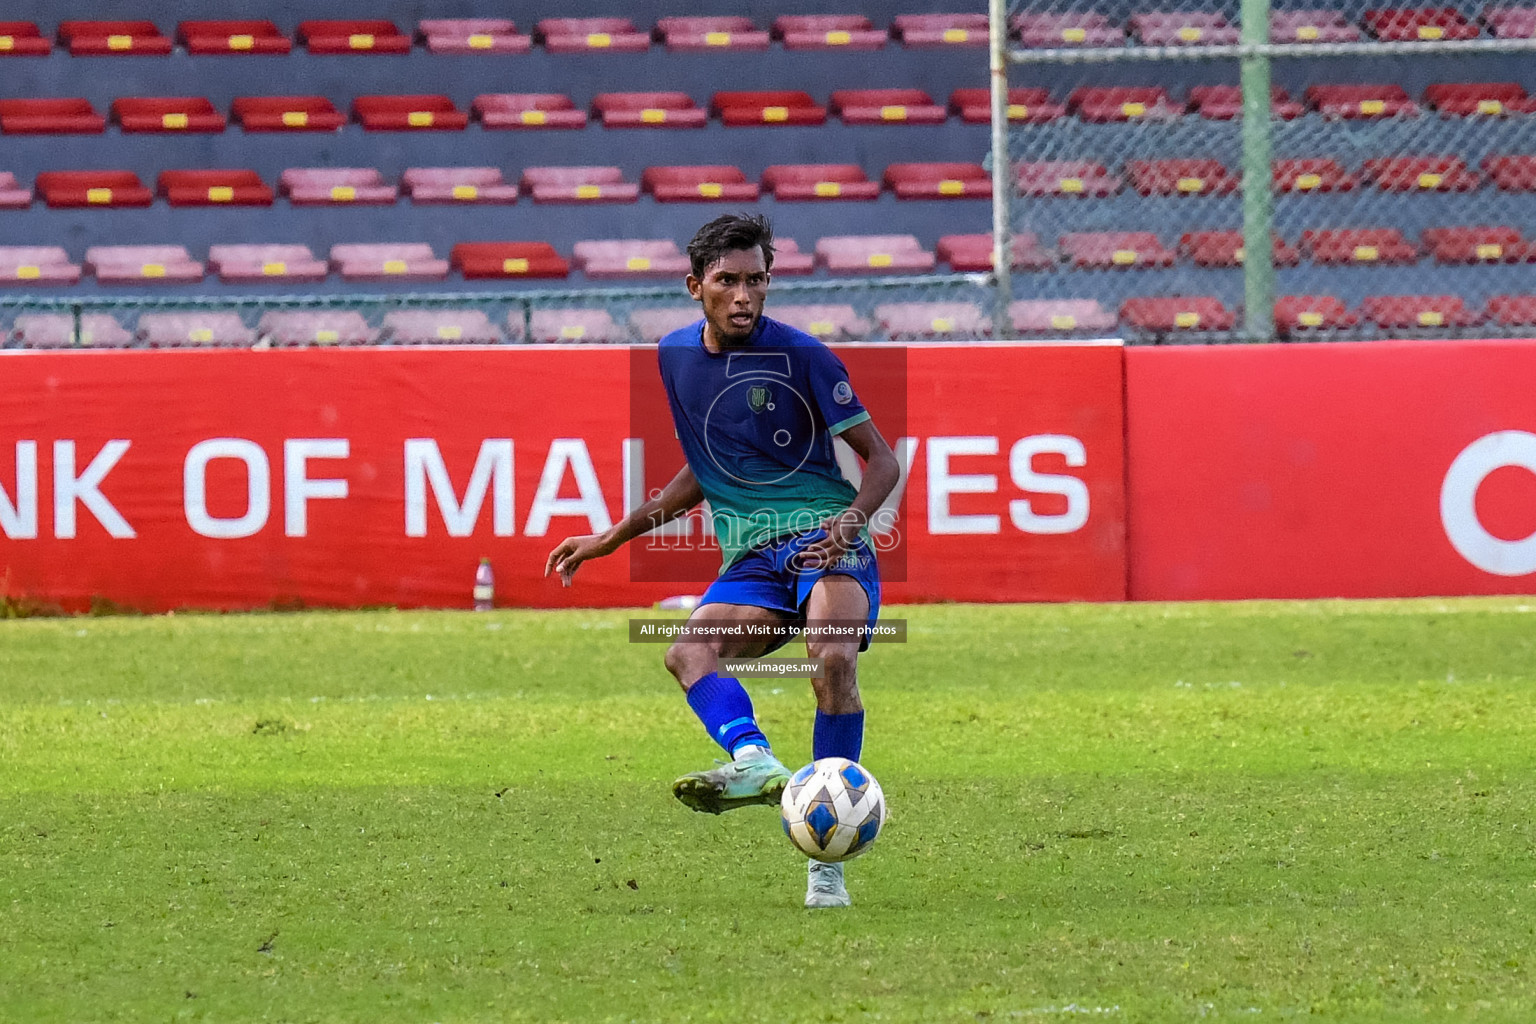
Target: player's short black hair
x,y
730,233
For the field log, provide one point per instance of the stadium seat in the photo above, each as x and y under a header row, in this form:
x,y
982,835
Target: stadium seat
x,y
969,254
793,182
153,114
113,38
903,321
93,188
36,265
315,327
828,32
1479,244
1166,314
1025,106
325,186
700,184
939,181
57,330
578,185
774,107
1468,99
688,33
72,116
22,39
246,264
789,260
928,30
1361,101
1511,22
1359,245
454,185
409,113
213,188
1311,175
651,325
13,195
886,106
609,258
388,261
1066,178
1181,177
1060,316
557,325
1225,249
873,254
1048,31
287,114
1421,174
509,110
1506,310
1225,103
353,35
648,110
510,260
232,37
1182,28
438,326
591,35
827,321
473,35
1123,103
1296,314
1311,26
1421,24
142,264
1115,249
1511,173
194,329
1398,312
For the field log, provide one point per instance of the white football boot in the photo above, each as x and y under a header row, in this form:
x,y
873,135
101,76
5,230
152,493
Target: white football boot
x,y
824,886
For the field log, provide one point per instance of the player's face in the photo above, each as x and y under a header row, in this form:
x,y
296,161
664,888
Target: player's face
x,y
732,291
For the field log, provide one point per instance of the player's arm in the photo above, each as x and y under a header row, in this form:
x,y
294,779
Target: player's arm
x,y
680,495
880,475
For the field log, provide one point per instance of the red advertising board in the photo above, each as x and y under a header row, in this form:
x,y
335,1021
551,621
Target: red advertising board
x,y
1374,469
240,479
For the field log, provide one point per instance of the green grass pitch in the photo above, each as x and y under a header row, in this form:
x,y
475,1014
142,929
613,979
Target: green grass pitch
x,y
1253,812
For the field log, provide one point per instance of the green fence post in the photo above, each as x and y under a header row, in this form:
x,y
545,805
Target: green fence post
x,y
1258,229
1002,186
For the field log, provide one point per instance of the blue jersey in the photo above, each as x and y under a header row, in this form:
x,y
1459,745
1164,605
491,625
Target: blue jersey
x,y
756,423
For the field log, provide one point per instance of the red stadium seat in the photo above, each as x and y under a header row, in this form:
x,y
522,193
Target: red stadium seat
x,y
591,35
688,33
568,325
1421,174
316,327
1183,28
792,182
287,114
1296,314
1507,310
1225,103
13,195
1311,175
473,35
22,39
194,329
438,327
789,260
325,186
828,32
142,264
1123,103
1066,178
93,188
648,110
232,37
873,254
926,30
113,38
773,107
353,35
456,185
1397,312
609,258
525,110
1468,99
1511,22
414,113
1115,249
699,184
1167,314
654,324
1311,26
939,181
1359,245
1025,106
73,116
154,114
827,321
1360,101
388,261
245,264
1060,316
926,320
36,265
968,254
887,106
578,185
1048,31
1480,244
1181,177
510,260
1225,249
1422,24
57,330
213,188
1509,173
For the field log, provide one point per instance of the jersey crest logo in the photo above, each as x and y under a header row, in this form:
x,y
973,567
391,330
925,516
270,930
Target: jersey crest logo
x,y
757,398
842,394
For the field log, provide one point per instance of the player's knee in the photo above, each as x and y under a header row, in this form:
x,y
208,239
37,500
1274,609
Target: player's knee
x,y
839,662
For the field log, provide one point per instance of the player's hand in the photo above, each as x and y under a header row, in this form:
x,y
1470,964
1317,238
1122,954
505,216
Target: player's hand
x,y
571,552
842,531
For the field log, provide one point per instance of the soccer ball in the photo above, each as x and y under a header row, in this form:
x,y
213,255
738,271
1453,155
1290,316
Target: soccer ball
x,y
832,809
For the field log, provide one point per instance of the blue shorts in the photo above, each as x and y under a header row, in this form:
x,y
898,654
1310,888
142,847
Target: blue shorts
x,y
766,577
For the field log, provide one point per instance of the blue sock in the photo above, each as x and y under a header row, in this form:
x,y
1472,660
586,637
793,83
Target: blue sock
x,y
726,711
838,736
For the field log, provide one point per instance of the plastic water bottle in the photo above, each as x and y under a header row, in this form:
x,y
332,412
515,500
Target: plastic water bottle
x,y
485,587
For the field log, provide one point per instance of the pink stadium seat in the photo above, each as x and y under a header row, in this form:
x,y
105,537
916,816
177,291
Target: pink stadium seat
x,y
591,35
1511,22
973,253
36,265
1123,103
654,324
1183,28
702,184
232,37
827,321
1048,31
792,182
1181,177
1359,245
788,260
567,325
167,114
772,107
1173,313
1025,106
287,114
1225,103
388,261
1398,312
1511,173
1060,316
194,329
142,264
1505,310
926,30
688,33
873,254
57,330
1361,101
245,264
113,38
316,327
13,194
828,32
1311,175
438,327
1066,178
22,39
924,320
648,110
71,116
93,188
528,110
473,35
939,181
1468,99
326,186
1418,24
887,106
455,185
578,185
409,113
609,258
213,188
353,35
511,260
1479,244
1421,174
1311,26
1115,249
1225,249
1298,314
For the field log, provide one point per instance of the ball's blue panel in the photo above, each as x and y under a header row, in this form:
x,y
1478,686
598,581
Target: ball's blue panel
x,y
822,820
868,831
785,822
804,773
854,776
